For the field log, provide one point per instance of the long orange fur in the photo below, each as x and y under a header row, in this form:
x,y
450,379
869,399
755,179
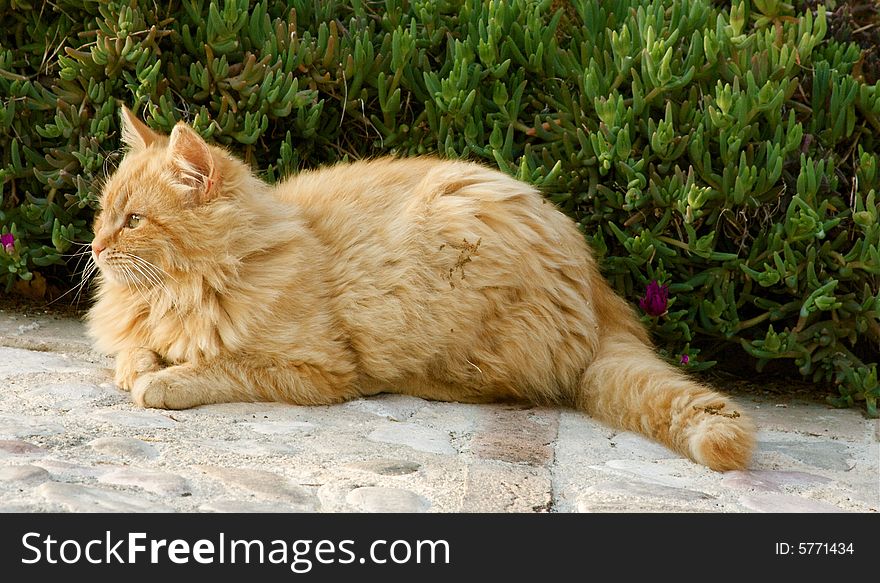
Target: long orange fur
x,y
440,279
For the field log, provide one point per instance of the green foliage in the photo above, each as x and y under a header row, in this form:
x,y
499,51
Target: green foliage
x,y
728,152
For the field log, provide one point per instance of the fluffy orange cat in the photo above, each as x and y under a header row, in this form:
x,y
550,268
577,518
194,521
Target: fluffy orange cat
x,y
440,279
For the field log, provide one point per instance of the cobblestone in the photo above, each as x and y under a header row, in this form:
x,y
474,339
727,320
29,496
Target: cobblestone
x,y
124,447
24,475
382,499
27,426
18,447
412,435
387,467
157,482
79,498
70,441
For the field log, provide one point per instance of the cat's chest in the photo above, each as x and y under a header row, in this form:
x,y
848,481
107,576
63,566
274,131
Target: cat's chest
x,y
180,338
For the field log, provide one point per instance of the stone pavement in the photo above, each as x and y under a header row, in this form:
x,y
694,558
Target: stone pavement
x,y
71,442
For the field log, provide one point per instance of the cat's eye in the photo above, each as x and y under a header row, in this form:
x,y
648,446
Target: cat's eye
x,y
133,220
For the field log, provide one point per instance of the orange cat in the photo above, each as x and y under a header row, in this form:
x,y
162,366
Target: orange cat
x,y
440,279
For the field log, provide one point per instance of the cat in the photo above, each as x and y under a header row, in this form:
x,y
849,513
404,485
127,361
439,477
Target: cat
x,y
442,279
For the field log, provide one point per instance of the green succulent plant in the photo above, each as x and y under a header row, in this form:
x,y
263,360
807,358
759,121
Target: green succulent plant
x,y
727,152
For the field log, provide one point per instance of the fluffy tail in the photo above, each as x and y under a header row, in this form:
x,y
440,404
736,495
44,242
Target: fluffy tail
x,y
629,387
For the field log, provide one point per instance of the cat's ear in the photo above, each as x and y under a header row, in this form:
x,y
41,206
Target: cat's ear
x,y
135,133
192,161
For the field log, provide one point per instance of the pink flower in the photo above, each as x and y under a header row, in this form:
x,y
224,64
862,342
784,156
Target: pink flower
x,y
655,300
685,359
7,241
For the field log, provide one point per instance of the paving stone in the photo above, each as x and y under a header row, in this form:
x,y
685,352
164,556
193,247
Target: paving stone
x,y
137,419
72,471
252,411
416,436
25,474
158,482
655,472
18,447
383,499
18,508
80,498
282,427
505,487
809,419
581,446
386,467
829,455
70,441
516,435
248,446
640,447
44,333
17,361
777,502
75,395
391,407
459,420
124,447
636,496
246,506
264,483
26,426
770,480
638,505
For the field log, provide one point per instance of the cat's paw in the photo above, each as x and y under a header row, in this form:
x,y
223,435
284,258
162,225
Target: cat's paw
x,y
721,437
157,390
132,364
149,391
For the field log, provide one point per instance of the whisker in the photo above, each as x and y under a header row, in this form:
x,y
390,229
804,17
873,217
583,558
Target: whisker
x,y
89,269
145,277
129,277
79,257
154,273
77,254
133,268
147,269
143,262
153,266
71,241
87,274
85,278
85,248
148,276
76,289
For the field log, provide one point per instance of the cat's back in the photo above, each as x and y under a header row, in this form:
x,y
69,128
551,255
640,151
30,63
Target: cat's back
x,y
397,200
391,220
447,262
375,186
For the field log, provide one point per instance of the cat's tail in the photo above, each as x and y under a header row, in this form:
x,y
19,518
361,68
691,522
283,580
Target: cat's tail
x,y
629,387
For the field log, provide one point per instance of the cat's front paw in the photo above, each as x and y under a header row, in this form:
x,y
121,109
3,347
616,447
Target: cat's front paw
x,y
149,391
132,364
160,390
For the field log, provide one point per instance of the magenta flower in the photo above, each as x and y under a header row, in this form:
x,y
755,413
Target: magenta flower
x,y
655,300
685,359
7,241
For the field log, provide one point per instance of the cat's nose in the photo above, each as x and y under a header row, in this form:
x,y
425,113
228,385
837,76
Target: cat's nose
x,y
97,248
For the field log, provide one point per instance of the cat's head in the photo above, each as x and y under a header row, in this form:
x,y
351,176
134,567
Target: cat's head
x,y
155,217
